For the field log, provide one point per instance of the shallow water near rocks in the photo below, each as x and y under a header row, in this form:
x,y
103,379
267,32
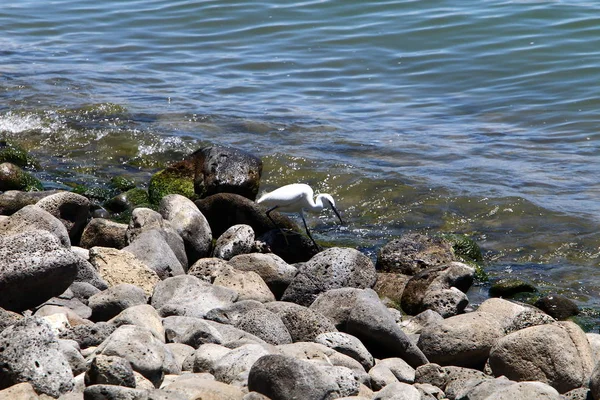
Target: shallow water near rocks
x,y
477,118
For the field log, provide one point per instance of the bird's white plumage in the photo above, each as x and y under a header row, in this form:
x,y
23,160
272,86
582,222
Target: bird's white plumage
x,y
291,198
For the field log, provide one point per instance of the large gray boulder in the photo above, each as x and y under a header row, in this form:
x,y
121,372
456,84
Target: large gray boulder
x,y
153,250
238,239
248,285
282,378
110,370
232,313
189,223
513,316
31,353
143,315
233,367
398,391
187,295
558,354
276,273
34,218
463,340
35,260
88,335
71,209
349,345
389,371
105,233
303,324
138,345
504,389
361,313
110,302
145,219
595,382
333,268
266,325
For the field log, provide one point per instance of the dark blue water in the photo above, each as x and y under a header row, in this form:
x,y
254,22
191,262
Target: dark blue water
x,y
477,117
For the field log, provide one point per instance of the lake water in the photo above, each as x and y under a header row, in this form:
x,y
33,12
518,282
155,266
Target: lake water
x,y
474,116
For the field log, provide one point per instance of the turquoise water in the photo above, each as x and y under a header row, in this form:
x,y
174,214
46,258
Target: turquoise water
x,y
476,117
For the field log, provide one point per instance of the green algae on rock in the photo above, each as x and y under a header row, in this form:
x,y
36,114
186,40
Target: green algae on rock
x,y
12,177
172,180
12,153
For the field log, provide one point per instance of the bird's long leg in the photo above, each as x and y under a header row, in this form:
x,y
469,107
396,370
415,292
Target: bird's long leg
x,y
275,224
308,231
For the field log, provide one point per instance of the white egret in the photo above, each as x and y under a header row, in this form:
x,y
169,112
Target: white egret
x,y
297,198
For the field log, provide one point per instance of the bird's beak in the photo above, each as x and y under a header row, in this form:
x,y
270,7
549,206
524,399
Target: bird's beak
x,y
336,212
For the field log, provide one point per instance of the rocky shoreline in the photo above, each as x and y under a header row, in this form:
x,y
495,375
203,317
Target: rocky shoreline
x,y
191,294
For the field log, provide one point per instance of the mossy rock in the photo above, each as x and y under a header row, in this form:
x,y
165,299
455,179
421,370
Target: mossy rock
x,y
98,194
509,287
12,177
122,183
464,247
9,152
171,181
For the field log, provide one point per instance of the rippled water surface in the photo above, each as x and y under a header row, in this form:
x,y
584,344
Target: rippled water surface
x,y
476,117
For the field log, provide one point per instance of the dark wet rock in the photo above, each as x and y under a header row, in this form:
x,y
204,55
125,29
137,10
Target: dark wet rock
x,y
435,279
558,354
220,169
176,179
145,353
303,324
508,287
281,378
266,325
89,335
333,268
291,246
348,345
189,223
276,273
238,239
31,353
128,200
414,253
113,392
12,201
463,340
145,219
33,218
232,313
152,249
35,260
110,370
224,210
105,233
110,302
71,209
12,177
557,306
187,295
361,313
